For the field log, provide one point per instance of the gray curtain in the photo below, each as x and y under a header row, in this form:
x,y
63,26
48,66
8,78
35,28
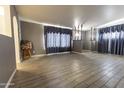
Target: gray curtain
x,y
111,40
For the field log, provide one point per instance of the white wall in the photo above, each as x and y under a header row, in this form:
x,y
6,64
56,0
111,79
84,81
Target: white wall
x,y
2,28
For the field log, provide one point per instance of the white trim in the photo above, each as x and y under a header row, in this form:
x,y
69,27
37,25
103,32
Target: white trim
x,y
57,53
111,23
42,23
76,52
41,55
28,20
47,24
10,79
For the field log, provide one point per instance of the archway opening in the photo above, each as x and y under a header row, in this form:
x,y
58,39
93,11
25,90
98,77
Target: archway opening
x,y
16,40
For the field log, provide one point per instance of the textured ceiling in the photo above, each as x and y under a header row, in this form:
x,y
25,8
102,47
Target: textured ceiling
x,y
69,15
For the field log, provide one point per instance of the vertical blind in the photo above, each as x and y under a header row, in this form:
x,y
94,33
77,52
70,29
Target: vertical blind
x,y
57,39
111,40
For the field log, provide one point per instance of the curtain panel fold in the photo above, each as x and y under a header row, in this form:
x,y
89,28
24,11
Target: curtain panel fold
x,y
111,40
57,39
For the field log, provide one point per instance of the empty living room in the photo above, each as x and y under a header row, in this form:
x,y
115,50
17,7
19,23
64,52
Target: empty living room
x,y
62,46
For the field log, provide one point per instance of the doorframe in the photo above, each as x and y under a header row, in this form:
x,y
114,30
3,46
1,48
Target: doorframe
x,y
16,40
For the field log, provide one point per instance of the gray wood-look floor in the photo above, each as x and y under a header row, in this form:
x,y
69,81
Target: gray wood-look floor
x,y
86,70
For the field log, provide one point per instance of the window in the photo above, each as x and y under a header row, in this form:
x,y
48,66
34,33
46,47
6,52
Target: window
x,y
5,21
76,35
58,40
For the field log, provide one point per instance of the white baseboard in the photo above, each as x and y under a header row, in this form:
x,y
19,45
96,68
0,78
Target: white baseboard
x,y
76,52
57,53
10,79
41,55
